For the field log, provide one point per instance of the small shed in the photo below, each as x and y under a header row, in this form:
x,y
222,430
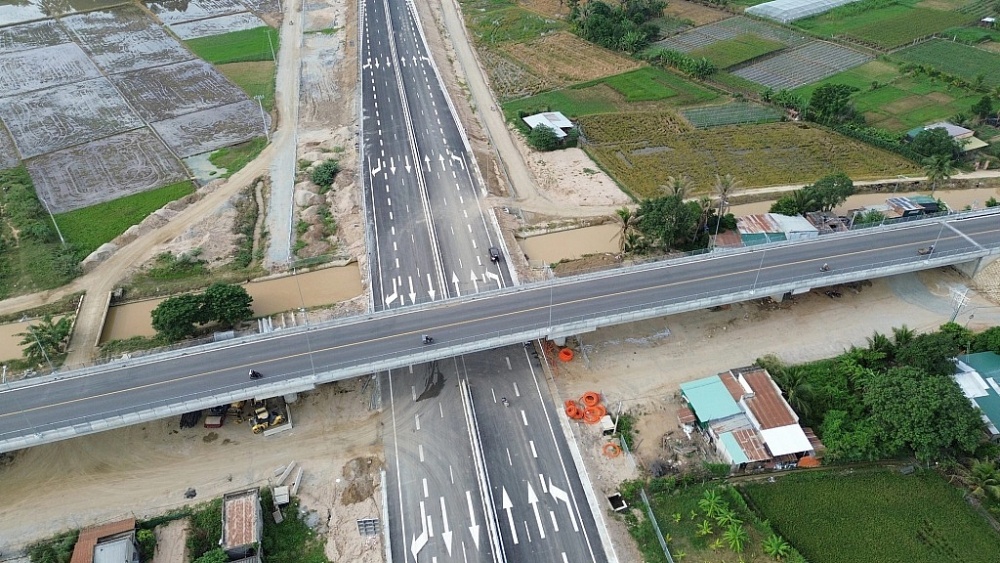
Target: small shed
x,y
552,119
242,524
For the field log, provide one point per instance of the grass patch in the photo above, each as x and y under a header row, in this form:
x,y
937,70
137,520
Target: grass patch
x,y
292,541
899,102
255,78
725,54
874,516
884,25
642,150
90,227
234,158
237,46
644,89
957,59
510,25
31,256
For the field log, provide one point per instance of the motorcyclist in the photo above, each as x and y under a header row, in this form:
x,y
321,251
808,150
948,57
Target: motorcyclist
x,y
825,267
427,339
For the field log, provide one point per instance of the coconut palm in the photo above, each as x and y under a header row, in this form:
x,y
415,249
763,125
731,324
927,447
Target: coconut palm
x,y
711,503
776,547
736,537
794,381
628,224
902,336
984,480
938,168
724,187
678,187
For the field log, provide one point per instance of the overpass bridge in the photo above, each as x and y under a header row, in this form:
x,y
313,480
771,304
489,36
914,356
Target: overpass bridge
x,y
124,392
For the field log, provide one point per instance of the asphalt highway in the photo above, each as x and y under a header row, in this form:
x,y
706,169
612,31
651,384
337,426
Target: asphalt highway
x,y
353,344
430,237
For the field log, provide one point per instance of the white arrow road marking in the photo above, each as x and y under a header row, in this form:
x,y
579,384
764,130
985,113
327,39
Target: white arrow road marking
x,y
407,159
475,281
368,63
474,528
420,541
533,501
392,165
507,505
456,157
560,495
427,161
413,294
493,277
391,298
374,171
441,160
430,284
376,63
446,532
454,281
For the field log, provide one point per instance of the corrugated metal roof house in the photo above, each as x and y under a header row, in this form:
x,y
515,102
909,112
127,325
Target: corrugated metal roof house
x,y
979,377
552,119
771,227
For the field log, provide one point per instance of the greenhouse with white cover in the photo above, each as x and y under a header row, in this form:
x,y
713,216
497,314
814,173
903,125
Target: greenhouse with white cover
x,y
785,11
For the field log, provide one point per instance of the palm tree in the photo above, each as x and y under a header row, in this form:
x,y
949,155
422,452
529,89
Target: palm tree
x,y
984,480
938,168
711,503
795,383
736,536
776,547
678,187
724,187
628,224
902,336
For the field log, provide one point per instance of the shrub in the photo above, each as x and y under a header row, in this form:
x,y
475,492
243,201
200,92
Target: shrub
x,y
324,174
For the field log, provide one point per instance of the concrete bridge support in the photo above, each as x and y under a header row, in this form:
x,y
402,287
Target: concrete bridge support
x,y
973,267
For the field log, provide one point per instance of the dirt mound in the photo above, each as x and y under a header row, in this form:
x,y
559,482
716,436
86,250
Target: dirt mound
x,y
362,474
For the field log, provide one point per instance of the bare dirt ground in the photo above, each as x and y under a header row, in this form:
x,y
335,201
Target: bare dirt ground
x,y
144,470
697,13
640,366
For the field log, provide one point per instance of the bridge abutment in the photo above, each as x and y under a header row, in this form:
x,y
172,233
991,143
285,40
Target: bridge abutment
x,y
973,267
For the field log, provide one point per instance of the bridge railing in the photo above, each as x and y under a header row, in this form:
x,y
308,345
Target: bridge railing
x,y
941,258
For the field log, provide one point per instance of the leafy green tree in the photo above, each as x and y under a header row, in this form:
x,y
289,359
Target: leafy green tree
x,y
669,222
798,202
937,141
987,341
217,555
175,317
829,191
785,205
324,174
983,108
47,340
984,479
543,138
848,439
228,304
931,353
831,103
775,546
927,415
147,543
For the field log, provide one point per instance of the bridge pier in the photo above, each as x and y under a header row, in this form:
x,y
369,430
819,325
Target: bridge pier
x,y
559,340
973,267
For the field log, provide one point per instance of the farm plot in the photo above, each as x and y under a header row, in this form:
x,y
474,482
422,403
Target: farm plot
x,y
170,91
511,24
117,166
736,113
125,39
956,58
264,6
216,26
212,129
8,153
24,71
46,120
565,58
808,63
698,14
730,52
641,154
12,12
884,28
169,13
834,518
31,36
509,78
731,28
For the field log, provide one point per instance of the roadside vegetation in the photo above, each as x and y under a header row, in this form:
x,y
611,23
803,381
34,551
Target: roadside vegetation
x,y
90,227
32,258
221,306
234,158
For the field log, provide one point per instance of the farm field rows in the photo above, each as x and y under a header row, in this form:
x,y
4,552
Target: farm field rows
x,y
804,64
731,114
884,28
725,54
563,58
874,516
647,88
955,58
731,28
641,152
900,103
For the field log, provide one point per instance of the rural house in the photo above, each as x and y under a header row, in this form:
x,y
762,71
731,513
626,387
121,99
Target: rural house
x,y
965,137
109,543
979,377
242,526
772,227
742,413
554,120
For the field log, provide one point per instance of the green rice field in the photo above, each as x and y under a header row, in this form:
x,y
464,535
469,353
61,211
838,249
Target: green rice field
x,y
888,27
955,58
729,52
259,44
881,516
